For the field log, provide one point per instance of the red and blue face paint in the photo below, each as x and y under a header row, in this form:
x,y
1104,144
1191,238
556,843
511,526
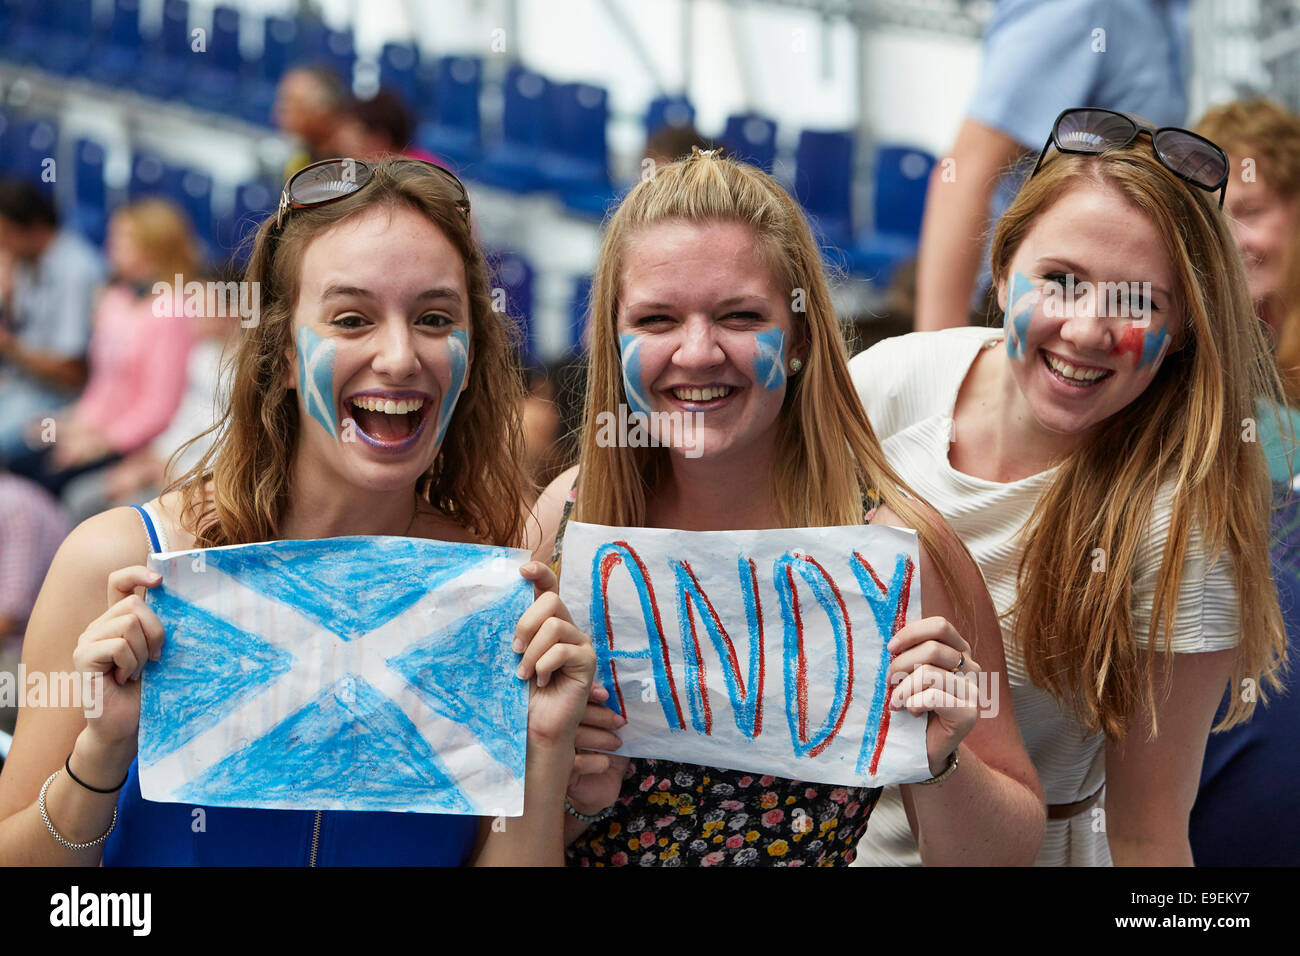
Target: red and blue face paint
x,y
1147,345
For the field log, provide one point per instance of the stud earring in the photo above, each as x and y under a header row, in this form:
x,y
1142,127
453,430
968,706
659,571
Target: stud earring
x,y
795,365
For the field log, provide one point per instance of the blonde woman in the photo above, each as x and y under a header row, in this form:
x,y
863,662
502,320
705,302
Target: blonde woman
x,y
373,294
709,298
1091,456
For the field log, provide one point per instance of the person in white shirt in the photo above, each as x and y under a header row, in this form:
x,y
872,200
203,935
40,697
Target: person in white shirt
x,y
1094,457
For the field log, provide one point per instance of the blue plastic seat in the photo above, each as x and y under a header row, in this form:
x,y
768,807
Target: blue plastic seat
x,y
575,157
399,65
512,273
514,164
337,50
668,111
901,178
148,172
824,182
254,201
579,308
750,138
280,36
191,189
117,56
214,77
35,145
455,130
164,69
89,214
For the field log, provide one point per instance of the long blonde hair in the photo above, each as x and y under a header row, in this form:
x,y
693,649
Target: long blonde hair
x,y
476,479
820,480
1074,625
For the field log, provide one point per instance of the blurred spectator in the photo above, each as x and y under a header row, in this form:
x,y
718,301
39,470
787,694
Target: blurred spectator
x,y
1262,140
138,352
142,474
378,127
671,143
309,106
1039,58
48,278
1247,773
31,530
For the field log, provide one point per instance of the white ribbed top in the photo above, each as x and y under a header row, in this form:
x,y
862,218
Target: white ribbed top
x,y
909,387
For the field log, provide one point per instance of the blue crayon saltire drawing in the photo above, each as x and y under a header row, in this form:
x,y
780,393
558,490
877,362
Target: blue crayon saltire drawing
x,y
1022,300
633,386
458,358
293,677
769,360
688,625
316,378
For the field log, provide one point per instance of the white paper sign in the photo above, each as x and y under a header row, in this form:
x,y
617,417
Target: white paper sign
x,y
355,673
759,651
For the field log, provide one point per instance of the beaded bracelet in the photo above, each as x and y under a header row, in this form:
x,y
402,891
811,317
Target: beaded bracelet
x,y
55,833
587,817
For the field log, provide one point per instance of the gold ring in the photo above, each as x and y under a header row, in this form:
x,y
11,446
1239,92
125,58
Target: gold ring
x,y
961,659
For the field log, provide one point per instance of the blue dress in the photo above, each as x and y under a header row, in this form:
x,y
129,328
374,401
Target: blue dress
x,y
175,834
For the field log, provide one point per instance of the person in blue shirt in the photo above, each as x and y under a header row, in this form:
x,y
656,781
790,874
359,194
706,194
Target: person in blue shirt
x,y
48,281
1039,57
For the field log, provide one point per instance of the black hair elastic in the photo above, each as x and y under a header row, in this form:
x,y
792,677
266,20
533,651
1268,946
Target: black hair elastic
x,y
67,765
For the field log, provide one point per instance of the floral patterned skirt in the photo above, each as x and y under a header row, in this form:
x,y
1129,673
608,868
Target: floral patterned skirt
x,y
676,814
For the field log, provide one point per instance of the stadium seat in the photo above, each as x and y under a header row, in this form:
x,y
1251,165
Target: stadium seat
x,y
902,175
668,111
824,182
89,214
514,164
117,55
455,129
750,138
512,273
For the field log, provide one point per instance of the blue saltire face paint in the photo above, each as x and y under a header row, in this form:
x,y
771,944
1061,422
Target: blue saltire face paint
x,y
316,379
1022,299
633,387
769,362
458,360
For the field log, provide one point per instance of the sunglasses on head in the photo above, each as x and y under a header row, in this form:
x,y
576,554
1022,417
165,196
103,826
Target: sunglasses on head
x,y
333,179
1192,158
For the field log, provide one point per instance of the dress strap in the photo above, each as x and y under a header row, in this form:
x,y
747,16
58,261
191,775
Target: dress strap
x,y
150,529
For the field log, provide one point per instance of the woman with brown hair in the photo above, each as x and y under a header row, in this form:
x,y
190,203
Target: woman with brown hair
x,y
375,396
709,299
1091,454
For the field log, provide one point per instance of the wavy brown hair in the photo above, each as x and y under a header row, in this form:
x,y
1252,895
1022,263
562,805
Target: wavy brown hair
x,y
819,480
1074,626
238,491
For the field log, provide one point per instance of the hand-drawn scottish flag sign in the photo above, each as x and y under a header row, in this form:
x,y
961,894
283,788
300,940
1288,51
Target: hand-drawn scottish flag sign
x,y
752,650
360,673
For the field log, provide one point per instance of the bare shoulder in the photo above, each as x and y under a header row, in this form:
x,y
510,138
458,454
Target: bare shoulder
x,y
547,514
